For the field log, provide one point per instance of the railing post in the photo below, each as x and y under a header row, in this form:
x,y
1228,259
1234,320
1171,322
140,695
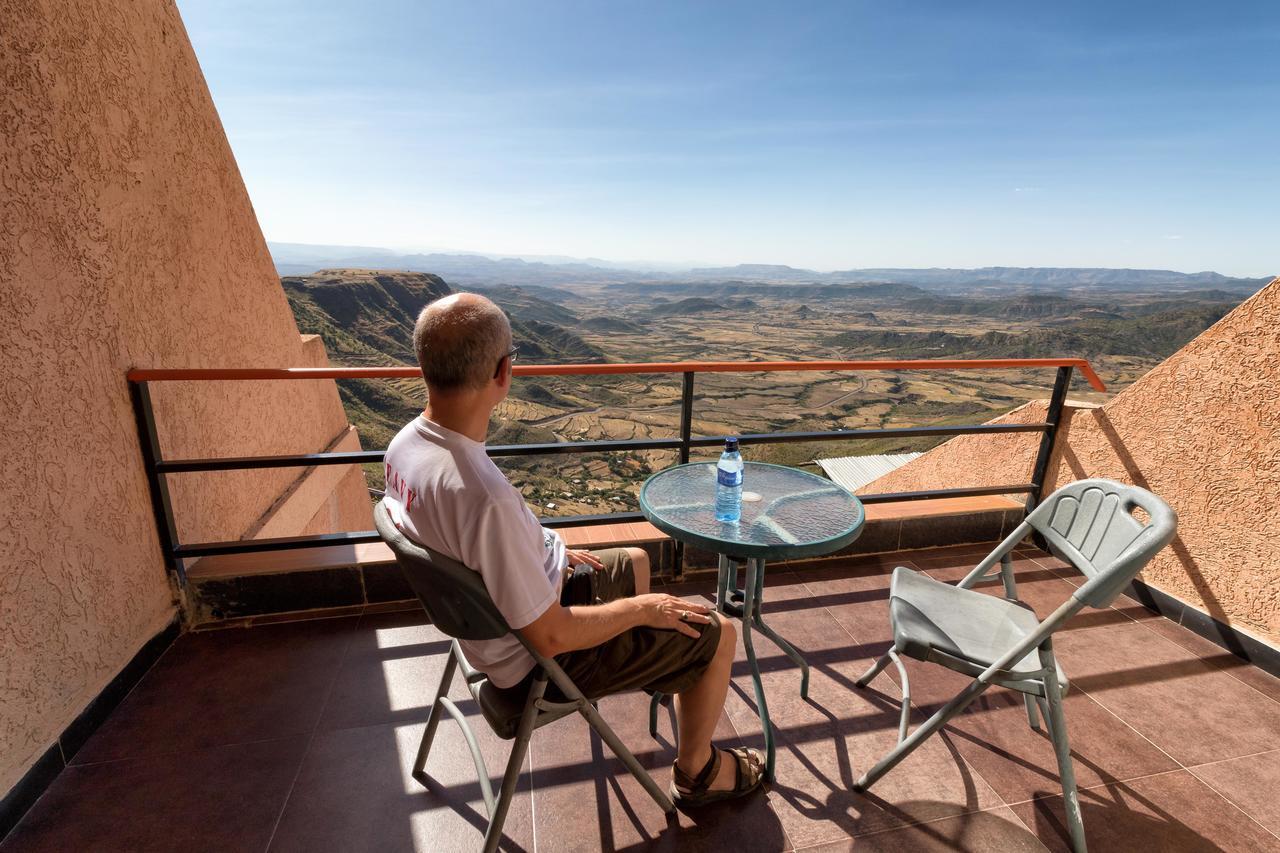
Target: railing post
x,y
686,431
686,415
161,504
1049,438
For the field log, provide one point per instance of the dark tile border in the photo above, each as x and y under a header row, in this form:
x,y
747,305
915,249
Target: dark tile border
x,y
1238,643
256,599
41,775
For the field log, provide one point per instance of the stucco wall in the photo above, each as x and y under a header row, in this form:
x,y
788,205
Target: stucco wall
x,y
972,460
1202,430
126,239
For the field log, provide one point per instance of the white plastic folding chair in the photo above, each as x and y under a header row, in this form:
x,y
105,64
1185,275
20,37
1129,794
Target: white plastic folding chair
x,y
1000,641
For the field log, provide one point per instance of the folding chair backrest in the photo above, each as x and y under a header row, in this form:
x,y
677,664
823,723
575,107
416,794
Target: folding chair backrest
x,y
1090,524
454,596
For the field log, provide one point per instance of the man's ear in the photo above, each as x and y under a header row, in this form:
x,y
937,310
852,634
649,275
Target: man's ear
x,y
503,377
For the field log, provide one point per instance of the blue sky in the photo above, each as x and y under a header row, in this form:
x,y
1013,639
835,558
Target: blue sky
x,y
824,135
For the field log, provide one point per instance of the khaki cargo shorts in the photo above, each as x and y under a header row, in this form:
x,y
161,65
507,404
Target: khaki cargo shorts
x,y
642,658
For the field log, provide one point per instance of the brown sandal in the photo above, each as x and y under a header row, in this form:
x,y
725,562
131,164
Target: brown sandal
x,y
695,793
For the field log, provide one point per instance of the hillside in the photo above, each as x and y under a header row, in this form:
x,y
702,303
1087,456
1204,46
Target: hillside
x,y
366,318
686,307
1155,335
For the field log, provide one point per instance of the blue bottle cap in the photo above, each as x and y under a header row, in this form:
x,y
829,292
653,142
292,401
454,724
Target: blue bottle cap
x,y
731,445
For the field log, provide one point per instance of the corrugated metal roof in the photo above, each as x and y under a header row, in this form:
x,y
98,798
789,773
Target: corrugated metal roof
x,y
854,472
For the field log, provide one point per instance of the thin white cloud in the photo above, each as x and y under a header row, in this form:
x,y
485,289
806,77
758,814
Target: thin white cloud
x,y
1172,237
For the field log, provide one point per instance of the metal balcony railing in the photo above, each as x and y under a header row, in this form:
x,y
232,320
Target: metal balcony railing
x,y
159,468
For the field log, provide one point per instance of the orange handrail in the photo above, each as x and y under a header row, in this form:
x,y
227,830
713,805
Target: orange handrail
x,y
212,374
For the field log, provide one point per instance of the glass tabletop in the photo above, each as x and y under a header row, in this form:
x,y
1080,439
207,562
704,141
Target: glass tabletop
x,y
785,512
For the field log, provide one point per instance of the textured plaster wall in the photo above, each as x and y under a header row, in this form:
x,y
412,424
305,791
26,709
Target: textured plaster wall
x,y
1202,430
126,239
972,460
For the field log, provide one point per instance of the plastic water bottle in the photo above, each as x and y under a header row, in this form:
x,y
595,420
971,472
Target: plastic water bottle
x,y
729,483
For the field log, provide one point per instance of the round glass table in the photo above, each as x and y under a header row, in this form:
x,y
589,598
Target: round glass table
x,y
786,514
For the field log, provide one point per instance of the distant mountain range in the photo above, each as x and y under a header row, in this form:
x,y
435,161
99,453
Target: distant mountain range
x,y
473,269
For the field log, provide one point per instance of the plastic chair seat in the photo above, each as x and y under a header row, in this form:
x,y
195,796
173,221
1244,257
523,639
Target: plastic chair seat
x,y
961,629
502,707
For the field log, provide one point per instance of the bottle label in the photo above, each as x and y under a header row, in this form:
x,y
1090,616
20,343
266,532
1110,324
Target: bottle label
x,y
728,478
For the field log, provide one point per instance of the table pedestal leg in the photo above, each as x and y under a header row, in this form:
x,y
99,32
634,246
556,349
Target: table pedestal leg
x,y
786,647
724,584
755,574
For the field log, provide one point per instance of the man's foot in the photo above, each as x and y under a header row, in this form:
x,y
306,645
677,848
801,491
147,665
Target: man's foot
x,y
728,773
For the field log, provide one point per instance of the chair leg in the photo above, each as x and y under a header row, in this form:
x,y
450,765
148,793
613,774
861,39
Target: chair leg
x,y
1032,717
433,721
518,749
1066,770
876,669
619,749
928,727
654,702
905,713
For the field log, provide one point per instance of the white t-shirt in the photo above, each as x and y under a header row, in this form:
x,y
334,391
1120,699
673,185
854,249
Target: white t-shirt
x,y
444,492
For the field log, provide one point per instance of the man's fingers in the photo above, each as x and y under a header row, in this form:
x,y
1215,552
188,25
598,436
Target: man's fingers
x,y
694,607
687,630
700,618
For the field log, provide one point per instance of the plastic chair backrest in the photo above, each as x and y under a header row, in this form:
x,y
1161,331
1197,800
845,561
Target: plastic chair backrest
x,y
454,596
1090,524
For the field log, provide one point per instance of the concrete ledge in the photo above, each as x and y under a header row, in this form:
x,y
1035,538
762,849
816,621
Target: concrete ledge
x,y
245,586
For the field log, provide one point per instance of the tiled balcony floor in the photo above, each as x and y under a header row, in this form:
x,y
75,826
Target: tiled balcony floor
x,y
300,736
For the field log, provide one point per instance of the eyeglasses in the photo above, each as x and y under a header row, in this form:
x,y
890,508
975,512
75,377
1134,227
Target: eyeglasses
x,y
511,354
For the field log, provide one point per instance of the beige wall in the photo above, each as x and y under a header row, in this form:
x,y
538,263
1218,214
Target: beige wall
x,y
126,239
1202,430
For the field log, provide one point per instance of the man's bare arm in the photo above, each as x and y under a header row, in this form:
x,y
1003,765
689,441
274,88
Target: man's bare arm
x,y
564,629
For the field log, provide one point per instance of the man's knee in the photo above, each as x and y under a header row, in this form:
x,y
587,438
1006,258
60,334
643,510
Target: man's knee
x,y
728,635
639,559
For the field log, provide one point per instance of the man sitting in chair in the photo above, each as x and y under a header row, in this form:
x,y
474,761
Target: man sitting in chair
x,y
605,629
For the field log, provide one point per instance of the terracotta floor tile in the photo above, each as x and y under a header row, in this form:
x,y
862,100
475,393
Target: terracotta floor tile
x,y
222,687
218,716
215,799
1216,656
826,742
996,829
1172,811
1250,783
390,673
994,737
586,800
355,793
1190,709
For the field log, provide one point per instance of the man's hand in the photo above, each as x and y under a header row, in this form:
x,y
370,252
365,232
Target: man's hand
x,y
659,610
576,557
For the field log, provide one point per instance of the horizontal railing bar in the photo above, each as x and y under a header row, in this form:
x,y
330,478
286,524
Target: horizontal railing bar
x,y
865,434
236,463
283,543
591,520
930,494
217,374
178,466
603,446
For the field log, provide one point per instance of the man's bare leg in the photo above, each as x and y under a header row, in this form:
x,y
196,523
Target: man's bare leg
x,y
640,569
699,708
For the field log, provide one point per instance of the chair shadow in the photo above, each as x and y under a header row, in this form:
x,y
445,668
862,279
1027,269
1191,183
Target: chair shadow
x,y
1178,546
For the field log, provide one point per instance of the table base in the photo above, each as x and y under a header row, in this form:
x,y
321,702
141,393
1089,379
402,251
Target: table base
x,y
745,604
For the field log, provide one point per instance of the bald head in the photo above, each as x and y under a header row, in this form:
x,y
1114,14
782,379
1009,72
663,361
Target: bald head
x,y
460,340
